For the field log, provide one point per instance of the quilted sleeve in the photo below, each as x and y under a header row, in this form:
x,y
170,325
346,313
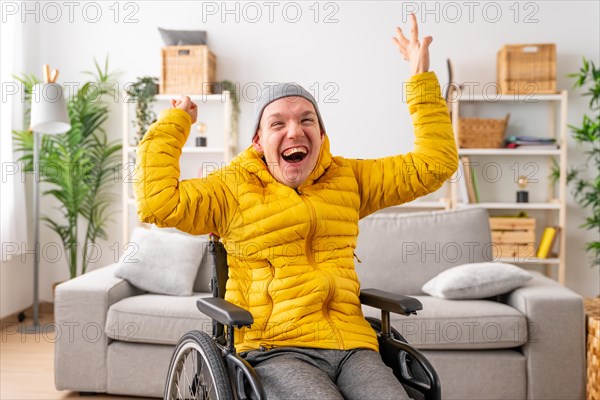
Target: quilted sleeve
x,y
399,179
196,206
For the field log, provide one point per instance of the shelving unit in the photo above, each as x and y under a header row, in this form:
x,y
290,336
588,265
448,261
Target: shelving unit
x,y
443,204
217,111
553,205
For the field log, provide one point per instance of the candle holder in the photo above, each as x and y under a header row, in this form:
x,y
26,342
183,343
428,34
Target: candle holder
x,y
522,195
201,138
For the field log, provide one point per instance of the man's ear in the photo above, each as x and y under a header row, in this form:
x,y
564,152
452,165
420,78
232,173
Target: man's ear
x,y
256,142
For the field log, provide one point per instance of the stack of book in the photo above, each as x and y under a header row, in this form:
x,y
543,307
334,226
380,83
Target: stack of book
x,y
530,142
467,184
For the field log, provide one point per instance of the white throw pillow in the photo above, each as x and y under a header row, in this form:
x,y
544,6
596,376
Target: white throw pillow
x,y
162,262
476,281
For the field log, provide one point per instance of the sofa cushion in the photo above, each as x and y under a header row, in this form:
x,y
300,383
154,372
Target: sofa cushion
x,y
202,282
400,252
460,324
476,281
157,319
483,374
162,262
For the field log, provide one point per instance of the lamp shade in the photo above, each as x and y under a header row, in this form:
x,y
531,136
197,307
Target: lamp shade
x,y
49,109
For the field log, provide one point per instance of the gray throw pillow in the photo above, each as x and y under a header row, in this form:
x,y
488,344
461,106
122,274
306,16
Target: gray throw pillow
x,y
162,262
476,281
181,38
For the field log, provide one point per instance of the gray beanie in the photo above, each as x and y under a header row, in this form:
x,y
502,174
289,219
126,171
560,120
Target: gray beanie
x,y
271,93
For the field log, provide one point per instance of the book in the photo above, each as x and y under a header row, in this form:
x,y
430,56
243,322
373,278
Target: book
x,y
555,242
530,139
533,147
547,241
469,178
530,142
463,193
475,189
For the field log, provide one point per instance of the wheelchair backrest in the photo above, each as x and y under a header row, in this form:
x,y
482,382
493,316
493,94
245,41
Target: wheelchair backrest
x,y
218,283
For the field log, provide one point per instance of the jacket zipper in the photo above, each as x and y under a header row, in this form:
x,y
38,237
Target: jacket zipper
x,y
272,268
312,262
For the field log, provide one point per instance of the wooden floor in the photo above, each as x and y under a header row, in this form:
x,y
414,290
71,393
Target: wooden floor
x,y
27,364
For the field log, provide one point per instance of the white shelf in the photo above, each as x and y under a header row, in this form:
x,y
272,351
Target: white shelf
x,y
512,206
196,150
423,204
529,260
509,152
191,150
194,97
554,210
517,98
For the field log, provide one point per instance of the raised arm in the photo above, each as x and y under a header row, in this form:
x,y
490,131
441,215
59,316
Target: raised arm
x,y
399,179
413,51
196,206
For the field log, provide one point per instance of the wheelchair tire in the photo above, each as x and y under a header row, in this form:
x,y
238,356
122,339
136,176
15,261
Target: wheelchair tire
x,y
197,370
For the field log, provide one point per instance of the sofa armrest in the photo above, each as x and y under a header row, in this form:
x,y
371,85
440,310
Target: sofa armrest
x,y
555,349
80,309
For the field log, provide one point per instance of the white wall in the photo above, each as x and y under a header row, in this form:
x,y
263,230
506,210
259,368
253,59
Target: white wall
x,y
351,59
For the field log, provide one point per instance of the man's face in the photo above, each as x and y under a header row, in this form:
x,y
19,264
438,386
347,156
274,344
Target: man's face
x,y
290,138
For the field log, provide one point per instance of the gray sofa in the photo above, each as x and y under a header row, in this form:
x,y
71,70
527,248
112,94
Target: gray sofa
x,y
526,344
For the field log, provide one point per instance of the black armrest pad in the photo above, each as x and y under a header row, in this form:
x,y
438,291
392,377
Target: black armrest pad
x,y
224,312
387,301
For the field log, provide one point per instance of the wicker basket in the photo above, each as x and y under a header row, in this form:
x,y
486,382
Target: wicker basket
x,y
592,310
481,133
527,69
187,70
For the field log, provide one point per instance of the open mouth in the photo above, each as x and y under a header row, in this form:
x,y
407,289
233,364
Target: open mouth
x,y
295,154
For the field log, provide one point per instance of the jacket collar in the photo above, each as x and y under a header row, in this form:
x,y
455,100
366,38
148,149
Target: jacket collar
x,y
253,163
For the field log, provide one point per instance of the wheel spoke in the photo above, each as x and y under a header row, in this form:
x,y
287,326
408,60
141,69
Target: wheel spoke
x,y
197,370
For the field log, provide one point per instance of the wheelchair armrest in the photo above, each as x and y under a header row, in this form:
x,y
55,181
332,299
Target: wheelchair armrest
x,y
224,312
387,301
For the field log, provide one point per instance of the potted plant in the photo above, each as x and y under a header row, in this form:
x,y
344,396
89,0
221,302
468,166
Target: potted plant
x,y
585,179
143,92
229,86
82,163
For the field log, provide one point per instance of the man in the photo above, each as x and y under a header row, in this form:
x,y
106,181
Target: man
x,y
287,212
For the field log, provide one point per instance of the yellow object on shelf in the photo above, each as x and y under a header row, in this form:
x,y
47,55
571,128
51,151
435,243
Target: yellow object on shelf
x,y
547,241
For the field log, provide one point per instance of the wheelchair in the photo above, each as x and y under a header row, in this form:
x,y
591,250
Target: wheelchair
x,y
208,367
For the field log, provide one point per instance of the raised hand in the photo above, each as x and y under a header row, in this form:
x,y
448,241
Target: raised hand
x,y
186,104
412,50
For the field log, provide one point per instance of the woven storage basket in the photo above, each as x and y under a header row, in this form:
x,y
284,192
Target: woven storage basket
x,y
481,133
592,310
187,70
527,69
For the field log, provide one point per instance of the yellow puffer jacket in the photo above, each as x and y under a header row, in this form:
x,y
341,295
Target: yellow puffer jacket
x,y
291,252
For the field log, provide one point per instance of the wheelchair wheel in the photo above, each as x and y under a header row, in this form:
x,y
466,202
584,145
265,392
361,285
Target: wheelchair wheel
x,y
197,370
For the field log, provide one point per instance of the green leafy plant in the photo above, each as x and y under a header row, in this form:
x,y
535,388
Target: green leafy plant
x,y
586,190
143,92
79,165
231,87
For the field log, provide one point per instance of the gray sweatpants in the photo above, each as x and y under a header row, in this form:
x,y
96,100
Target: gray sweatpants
x,y
289,373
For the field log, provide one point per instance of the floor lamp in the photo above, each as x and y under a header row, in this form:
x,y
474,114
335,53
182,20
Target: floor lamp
x,y
48,116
